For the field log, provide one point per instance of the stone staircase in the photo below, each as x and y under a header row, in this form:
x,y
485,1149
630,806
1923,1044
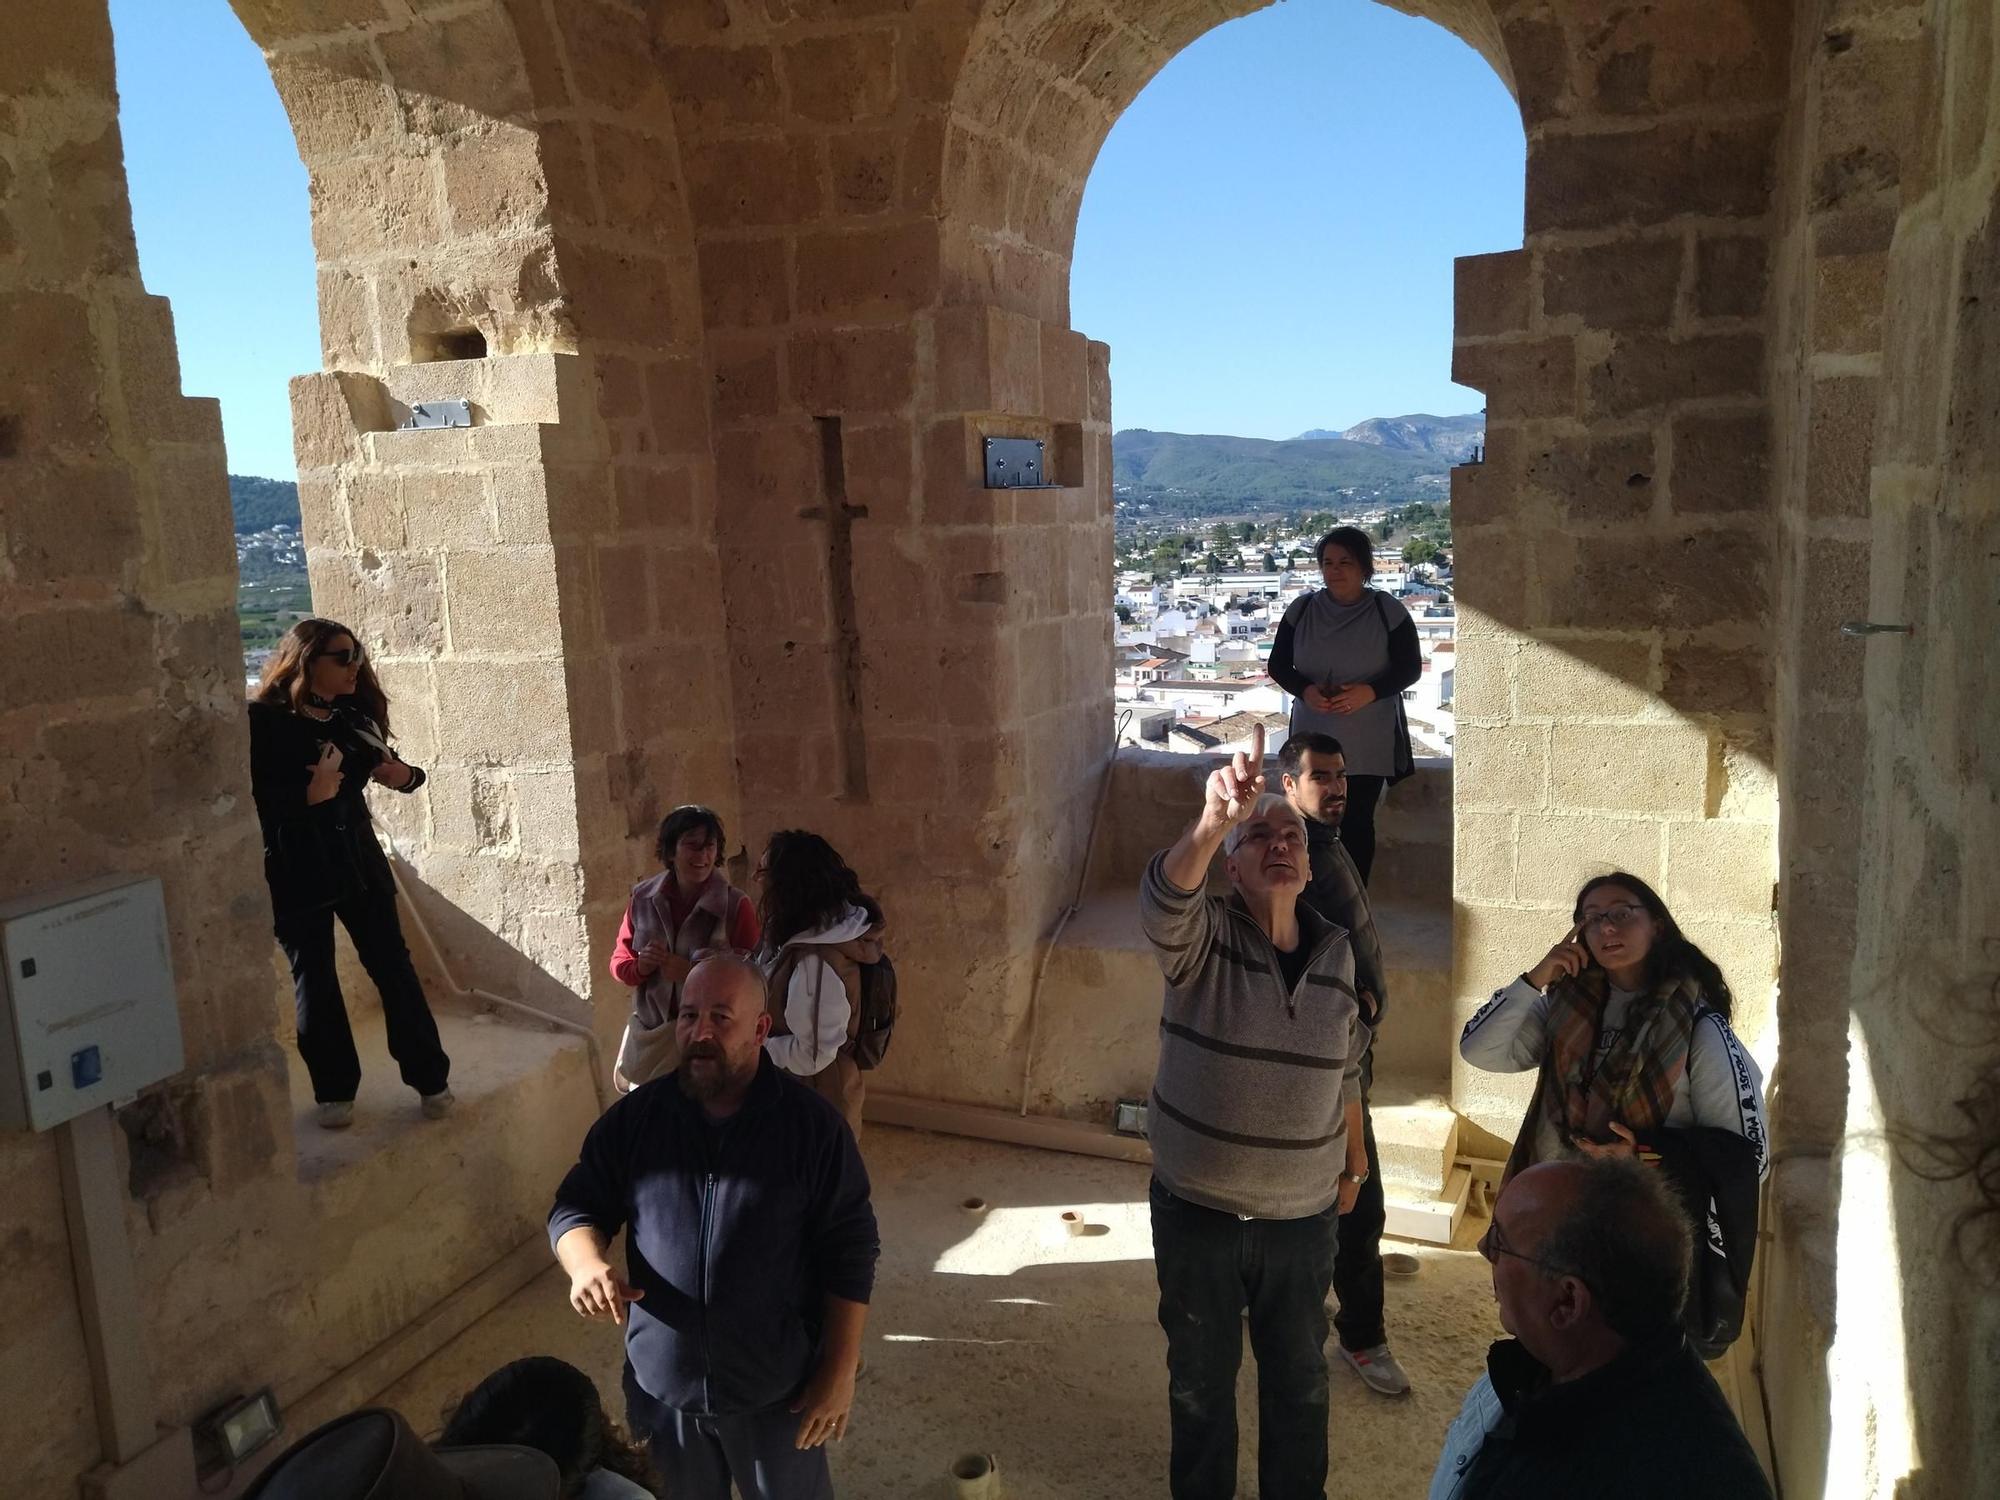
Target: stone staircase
x,y
1099,1005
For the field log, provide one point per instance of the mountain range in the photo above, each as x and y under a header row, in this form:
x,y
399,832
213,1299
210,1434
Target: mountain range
x,y
1386,458
1449,438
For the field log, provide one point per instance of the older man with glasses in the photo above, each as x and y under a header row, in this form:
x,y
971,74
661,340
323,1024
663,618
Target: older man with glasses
x,y
1598,1392
1256,1130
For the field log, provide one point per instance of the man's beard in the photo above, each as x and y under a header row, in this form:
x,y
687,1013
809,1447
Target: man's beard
x,y
710,1082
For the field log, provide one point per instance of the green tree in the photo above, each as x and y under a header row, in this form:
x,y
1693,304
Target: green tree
x,y
1420,549
1247,531
1124,613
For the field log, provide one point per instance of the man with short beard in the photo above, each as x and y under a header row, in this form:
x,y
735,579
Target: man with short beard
x,y
1315,779
744,1199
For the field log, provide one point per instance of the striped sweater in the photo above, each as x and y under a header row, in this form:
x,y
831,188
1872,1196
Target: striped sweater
x,y
1247,1113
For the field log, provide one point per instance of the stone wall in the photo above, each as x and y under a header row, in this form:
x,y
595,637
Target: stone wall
x,y
1887,510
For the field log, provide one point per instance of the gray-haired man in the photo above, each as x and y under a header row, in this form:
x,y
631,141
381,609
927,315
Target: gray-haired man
x,y
1256,1132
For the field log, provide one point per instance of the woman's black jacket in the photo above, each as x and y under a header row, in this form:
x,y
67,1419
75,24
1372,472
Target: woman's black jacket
x,y
317,854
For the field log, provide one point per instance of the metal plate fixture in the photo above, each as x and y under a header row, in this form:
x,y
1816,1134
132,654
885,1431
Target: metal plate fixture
x,y
1015,464
439,414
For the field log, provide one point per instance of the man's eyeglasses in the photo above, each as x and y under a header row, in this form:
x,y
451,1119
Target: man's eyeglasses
x,y
1612,916
353,656
1493,1244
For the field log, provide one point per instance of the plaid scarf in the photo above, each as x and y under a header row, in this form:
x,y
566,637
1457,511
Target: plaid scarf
x,y
1635,1083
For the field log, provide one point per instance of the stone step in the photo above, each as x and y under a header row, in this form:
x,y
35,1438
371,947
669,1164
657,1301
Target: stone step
x,y
1416,1137
525,1099
1429,1220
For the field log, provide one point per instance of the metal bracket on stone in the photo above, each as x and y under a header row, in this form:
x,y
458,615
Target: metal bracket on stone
x,y
439,414
1016,464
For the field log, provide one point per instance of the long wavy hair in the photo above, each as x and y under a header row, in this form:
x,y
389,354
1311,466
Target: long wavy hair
x,y
551,1406
288,674
1673,955
807,886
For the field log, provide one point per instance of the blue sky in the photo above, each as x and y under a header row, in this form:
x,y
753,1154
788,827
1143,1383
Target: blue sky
x,y
1267,236
1266,239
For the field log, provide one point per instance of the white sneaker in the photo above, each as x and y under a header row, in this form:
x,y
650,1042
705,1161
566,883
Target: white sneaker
x,y
335,1116
1378,1369
438,1105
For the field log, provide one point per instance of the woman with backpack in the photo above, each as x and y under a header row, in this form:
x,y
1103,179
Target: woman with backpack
x,y
672,917
1345,653
820,932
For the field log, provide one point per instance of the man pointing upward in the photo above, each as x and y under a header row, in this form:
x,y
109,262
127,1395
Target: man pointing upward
x,y
1256,1132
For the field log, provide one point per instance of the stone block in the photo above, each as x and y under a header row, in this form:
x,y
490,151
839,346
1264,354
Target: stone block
x,y
1065,374
1723,869
49,652
1722,462
503,602
861,170
1501,767
1719,169
1482,857
612,47
446,508
1655,768
755,182
1832,586
1608,478
878,457
842,79
1557,853
69,522
745,374
329,412
1490,490
1490,294
623,295
746,283
1709,679
1099,357
677,401
1682,54
641,195
1646,372
767,475
868,275
1622,285
517,718
852,370
48,373
374,205
494,183
1522,380
1973,422
1847,303
1731,274
195,531
375,509
1584,677
720,87
1685,581
1840,441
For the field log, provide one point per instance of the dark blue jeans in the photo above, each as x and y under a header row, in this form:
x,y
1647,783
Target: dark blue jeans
x,y
1357,1268
1211,1267
698,1458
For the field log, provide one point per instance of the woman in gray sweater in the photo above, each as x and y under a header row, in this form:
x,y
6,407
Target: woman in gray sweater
x,y
1345,653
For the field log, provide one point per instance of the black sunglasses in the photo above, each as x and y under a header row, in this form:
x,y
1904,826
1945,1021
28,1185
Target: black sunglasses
x,y
353,656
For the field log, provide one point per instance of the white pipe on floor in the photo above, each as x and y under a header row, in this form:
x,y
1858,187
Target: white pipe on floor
x,y
466,992
976,1476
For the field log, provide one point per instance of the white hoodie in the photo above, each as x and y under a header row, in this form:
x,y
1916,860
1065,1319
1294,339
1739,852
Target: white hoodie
x,y
809,1049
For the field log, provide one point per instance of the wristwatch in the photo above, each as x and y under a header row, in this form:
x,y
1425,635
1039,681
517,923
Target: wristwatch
x,y
1357,1178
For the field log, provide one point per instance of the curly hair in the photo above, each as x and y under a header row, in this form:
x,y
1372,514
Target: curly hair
x,y
551,1406
807,885
1673,954
288,674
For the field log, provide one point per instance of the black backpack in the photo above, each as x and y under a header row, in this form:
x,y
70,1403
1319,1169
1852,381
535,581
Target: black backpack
x,y
877,1021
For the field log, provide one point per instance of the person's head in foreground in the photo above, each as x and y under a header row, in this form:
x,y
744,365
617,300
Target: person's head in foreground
x,y
1315,776
551,1406
1265,854
1588,1258
721,1026
373,1455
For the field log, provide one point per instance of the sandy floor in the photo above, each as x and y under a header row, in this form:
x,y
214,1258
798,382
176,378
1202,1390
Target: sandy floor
x,y
1003,1333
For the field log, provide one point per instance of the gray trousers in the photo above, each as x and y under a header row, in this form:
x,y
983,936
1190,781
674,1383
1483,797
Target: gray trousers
x,y
698,1457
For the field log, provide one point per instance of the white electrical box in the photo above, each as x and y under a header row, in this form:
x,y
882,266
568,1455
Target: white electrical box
x,y
88,987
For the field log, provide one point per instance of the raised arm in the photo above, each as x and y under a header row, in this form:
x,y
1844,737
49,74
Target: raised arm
x,y
1228,798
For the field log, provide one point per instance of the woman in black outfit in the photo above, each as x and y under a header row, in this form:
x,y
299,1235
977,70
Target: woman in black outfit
x,y
1345,653
319,733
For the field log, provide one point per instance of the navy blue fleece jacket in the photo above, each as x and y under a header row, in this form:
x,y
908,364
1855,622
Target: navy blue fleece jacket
x,y
737,1234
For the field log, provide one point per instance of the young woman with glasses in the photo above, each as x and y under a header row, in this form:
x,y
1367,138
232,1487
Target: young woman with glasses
x,y
319,734
1627,1024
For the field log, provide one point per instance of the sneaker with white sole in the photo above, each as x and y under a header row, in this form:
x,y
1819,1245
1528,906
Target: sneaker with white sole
x,y
438,1105
1378,1369
337,1115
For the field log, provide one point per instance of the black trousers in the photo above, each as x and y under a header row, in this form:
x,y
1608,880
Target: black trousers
x,y
325,1040
1357,824
698,1458
1357,1263
1211,1267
